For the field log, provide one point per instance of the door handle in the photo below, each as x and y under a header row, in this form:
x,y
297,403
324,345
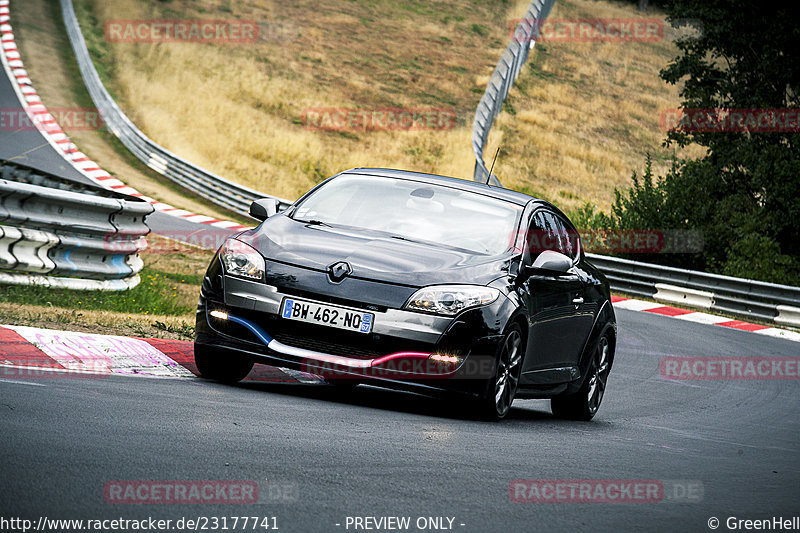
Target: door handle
x,y
578,300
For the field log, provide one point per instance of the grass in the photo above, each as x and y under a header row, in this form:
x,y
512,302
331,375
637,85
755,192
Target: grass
x,y
586,114
162,305
581,119
156,295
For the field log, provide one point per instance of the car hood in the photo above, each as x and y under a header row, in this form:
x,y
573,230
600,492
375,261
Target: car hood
x,y
385,259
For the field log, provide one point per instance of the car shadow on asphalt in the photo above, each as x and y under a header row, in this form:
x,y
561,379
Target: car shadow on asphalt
x,y
372,397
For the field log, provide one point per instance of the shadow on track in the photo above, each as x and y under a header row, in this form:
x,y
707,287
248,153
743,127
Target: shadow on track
x,y
371,397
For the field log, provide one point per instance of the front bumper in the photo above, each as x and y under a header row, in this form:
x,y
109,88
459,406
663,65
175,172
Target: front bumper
x,y
262,298
432,351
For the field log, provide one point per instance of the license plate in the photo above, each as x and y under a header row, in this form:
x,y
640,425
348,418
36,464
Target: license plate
x,y
327,315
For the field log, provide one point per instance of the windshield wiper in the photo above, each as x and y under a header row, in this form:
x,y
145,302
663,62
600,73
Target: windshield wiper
x,y
315,222
437,244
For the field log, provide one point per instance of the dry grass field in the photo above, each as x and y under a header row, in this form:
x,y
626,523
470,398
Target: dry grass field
x,y
580,120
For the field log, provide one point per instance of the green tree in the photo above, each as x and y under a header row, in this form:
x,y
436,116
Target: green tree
x,y
744,194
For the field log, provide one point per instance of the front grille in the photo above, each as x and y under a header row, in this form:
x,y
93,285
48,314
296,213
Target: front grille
x,y
323,346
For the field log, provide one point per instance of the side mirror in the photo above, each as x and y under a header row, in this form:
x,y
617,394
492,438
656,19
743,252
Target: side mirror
x,y
553,261
264,208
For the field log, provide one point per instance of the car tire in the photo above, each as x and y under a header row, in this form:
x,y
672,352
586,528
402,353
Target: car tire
x,y
225,368
585,403
501,387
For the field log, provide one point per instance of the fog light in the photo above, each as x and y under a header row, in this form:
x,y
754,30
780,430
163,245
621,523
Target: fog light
x,y
222,315
444,358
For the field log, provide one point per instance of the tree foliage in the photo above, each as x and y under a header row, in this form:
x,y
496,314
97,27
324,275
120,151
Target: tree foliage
x,y
744,194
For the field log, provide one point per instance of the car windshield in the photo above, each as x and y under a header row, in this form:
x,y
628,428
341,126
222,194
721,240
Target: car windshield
x,y
416,211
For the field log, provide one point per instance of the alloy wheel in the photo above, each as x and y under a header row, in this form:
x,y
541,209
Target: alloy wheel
x,y
599,375
508,371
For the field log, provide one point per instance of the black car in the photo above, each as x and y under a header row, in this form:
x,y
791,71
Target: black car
x,y
415,281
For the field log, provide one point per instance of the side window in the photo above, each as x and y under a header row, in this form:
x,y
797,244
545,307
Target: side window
x,y
568,237
551,232
575,241
543,234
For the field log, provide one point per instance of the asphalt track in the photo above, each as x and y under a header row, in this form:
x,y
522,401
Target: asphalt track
x,y
24,144
377,453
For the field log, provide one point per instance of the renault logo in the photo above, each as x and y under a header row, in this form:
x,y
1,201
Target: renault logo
x,y
338,271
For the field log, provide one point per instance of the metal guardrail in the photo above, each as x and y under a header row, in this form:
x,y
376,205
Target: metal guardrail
x,y
507,70
57,237
736,296
210,186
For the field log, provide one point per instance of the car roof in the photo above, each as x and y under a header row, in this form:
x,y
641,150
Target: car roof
x,y
458,183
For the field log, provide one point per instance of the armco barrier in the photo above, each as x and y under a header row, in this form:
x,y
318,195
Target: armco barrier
x,y
735,296
788,315
202,182
53,236
507,70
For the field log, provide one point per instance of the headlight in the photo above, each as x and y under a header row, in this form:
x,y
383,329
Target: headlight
x,y
241,260
450,299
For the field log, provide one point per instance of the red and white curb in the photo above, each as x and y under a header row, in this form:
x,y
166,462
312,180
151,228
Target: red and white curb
x,y
701,318
55,136
30,353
